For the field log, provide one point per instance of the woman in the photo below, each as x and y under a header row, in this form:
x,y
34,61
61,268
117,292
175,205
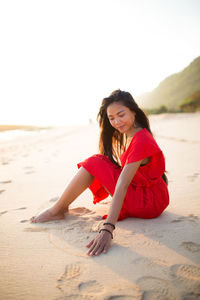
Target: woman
x,y
130,167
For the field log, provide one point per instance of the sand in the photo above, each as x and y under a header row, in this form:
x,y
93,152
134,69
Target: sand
x,y
149,259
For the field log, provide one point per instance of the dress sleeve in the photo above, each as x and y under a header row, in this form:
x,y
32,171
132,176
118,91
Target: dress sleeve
x,y
142,146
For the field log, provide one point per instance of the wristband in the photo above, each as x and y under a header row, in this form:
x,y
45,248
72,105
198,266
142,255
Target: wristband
x,y
112,225
103,229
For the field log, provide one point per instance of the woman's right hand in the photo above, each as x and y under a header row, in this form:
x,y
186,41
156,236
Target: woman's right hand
x,y
101,243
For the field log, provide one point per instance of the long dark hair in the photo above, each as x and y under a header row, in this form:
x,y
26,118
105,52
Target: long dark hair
x,y
111,141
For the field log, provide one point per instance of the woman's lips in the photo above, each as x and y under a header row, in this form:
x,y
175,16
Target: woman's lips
x,y
120,128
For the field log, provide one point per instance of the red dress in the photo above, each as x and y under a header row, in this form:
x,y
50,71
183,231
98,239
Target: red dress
x,y
147,195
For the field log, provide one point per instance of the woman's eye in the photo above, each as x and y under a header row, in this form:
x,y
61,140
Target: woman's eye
x,y
121,116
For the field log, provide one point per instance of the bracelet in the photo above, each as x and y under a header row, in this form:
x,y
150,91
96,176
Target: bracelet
x,y
112,225
103,229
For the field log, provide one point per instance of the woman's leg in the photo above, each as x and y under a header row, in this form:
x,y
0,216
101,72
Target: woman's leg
x,y
79,183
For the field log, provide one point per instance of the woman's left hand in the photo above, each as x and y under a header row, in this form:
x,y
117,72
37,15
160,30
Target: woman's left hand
x,y
99,244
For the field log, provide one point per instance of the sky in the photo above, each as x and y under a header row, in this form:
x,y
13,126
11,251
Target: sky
x,y
59,59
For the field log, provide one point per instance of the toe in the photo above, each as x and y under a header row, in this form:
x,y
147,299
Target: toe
x,y
32,220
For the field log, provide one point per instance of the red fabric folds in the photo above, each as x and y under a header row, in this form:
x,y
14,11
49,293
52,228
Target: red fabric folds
x,y
147,195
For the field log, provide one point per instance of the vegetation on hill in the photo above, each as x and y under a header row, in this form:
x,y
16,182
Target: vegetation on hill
x,y
192,103
172,91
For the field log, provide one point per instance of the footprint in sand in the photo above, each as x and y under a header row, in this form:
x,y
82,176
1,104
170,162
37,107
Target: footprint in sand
x,y
150,283
1,191
20,208
75,235
156,288
186,272
187,276
5,181
91,286
192,247
5,163
151,266
193,176
149,263
191,218
155,295
71,271
70,275
191,296
124,292
80,211
30,170
3,212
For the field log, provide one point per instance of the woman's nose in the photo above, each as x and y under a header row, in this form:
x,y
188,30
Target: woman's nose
x,y
117,121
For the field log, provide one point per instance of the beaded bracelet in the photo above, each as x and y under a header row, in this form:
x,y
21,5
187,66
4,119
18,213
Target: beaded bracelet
x,y
112,225
103,229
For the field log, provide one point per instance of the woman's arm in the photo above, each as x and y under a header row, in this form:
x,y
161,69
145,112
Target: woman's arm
x,y
102,241
123,182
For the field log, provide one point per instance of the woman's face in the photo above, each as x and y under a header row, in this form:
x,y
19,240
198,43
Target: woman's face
x,y
121,118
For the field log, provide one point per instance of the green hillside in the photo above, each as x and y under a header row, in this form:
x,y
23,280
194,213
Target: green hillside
x,y
192,103
172,91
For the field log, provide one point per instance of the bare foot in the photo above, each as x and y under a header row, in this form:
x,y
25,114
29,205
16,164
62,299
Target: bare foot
x,y
47,216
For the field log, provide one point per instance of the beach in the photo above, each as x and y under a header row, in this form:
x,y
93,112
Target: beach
x,y
155,259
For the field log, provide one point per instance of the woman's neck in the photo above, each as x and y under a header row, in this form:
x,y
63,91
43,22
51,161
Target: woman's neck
x,y
131,134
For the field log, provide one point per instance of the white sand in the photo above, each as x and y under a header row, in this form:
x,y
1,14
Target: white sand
x,y
149,259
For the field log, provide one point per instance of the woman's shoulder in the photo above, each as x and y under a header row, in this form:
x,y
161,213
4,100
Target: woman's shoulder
x,y
143,135
144,139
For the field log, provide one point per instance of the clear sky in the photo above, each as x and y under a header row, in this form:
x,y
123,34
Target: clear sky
x,y
58,59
